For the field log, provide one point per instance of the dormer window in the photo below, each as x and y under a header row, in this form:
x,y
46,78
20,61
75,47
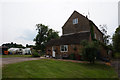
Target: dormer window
x,y
75,21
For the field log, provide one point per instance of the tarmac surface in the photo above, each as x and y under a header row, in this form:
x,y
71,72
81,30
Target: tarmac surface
x,y
15,60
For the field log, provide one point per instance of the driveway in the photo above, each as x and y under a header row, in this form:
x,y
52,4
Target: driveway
x,y
16,59
116,64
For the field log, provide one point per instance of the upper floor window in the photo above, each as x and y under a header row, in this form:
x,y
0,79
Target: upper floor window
x,y
64,48
75,21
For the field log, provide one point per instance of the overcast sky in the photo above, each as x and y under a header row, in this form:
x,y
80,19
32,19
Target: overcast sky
x,y
19,17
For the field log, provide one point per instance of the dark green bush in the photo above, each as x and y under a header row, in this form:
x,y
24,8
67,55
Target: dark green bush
x,y
117,55
90,52
72,56
35,53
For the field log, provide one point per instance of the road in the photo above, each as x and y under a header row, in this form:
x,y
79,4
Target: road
x,y
16,59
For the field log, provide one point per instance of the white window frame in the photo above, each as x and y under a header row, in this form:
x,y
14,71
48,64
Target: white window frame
x,y
75,21
64,48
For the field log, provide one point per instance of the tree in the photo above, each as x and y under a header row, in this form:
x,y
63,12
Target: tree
x,y
89,50
84,43
116,40
52,34
44,35
106,37
13,45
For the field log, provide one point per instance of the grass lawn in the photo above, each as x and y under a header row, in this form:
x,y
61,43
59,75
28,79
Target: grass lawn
x,y
48,68
8,56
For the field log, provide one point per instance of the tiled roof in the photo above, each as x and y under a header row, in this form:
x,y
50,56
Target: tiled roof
x,y
69,39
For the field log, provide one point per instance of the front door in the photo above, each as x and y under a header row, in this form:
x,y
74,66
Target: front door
x,y
53,51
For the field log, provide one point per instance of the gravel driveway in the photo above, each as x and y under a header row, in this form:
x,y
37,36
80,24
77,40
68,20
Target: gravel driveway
x,y
16,59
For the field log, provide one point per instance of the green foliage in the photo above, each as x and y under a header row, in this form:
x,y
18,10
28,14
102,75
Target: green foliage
x,y
41,36
44,35
116,40
90,51
92,31
35,53
11,56
75,49
84,43
52,34
30,46
117,55
106,37
72,56
13,45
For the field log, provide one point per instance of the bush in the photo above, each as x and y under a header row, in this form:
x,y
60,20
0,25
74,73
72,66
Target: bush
x,y
35,53
117,55
90,52
72,56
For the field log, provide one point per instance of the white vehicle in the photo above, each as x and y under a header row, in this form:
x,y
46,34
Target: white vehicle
x,y
15,50
26,51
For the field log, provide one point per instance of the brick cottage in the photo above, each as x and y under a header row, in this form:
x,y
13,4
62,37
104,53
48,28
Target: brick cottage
x,y
76,29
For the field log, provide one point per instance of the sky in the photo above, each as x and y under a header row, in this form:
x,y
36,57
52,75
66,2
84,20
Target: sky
x,y
19,17
119,13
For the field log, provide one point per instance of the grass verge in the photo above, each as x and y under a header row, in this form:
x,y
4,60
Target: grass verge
x,y
9,56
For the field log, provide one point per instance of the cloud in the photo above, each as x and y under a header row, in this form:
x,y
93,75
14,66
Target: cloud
x,y
28,35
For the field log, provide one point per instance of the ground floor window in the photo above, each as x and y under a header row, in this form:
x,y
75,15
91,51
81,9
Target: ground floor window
x,y
64,48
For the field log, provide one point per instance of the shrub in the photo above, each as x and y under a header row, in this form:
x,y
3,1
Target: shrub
x,y
35,53
89,52
72,56
117,55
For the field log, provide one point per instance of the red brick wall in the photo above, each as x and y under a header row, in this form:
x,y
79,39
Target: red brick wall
x,y
98,34
71,49
83,24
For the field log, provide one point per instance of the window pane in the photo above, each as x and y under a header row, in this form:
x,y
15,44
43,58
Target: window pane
x,y
75,21
64,48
